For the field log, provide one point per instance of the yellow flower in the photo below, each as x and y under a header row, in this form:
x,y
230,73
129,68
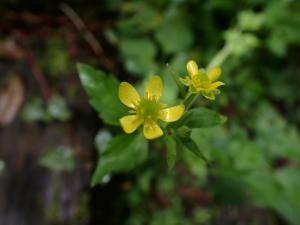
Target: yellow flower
x,y
201,81
147,109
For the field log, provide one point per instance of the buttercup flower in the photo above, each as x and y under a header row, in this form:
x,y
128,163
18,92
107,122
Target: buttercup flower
x,y
201,81
147,109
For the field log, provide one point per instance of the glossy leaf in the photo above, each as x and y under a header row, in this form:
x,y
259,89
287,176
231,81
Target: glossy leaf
x,y
102,91
123,153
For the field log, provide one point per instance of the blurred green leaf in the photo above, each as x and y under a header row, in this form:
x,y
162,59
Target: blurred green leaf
x,y
59,159
249,20
281,20
199,118
171,151
102,139
245,155
2,166
275,136
174,34
139,12
123,153
102,91
288,203
57,108
35,110
56,59
289,179
241,43
138,55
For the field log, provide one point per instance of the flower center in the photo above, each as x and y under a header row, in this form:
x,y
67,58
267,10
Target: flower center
x,y
148,109
200,80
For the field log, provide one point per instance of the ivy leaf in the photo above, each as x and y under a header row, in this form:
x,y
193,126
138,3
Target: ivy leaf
x,y
199,118
102,91
171,151
123,153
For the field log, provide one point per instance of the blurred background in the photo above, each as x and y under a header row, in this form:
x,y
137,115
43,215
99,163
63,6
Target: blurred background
x,y
50,136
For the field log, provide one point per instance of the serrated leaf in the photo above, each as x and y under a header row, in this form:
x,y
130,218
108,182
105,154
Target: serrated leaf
x,y
171,151
102,91
123,153
199,118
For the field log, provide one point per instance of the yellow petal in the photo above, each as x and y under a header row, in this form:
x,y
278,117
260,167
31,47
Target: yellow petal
x,y
214,85
171,114
152,130
154,88
214,73
128,95
192,68
130,123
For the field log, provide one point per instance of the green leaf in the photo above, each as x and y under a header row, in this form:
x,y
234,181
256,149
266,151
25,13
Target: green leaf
x,y
249,20
102,139
57,108
123,153
102,91
35,110
56,59
288,202
171,151
241,43
2,166
190,145
59,159
174,34
199,118
138,55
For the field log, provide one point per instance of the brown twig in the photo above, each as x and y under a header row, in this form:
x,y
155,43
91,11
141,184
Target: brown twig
x,y
88,36
37,73
61,20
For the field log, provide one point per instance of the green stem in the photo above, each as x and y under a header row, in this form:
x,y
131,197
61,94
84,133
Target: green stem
x,y
220,57
191,101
